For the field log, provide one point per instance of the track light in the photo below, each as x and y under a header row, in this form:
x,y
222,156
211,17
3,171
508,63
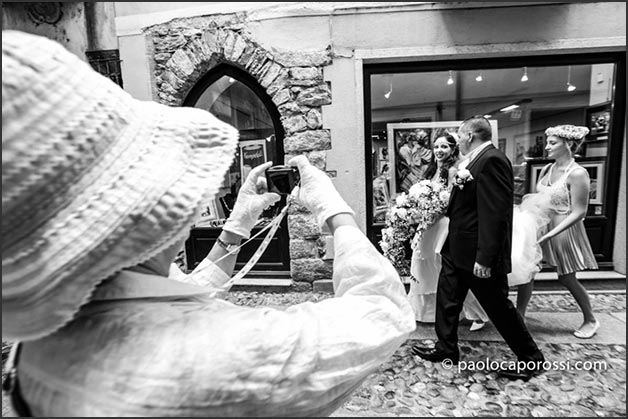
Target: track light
x,y
524,78
513,107
450,80
570,87
509,108
387,94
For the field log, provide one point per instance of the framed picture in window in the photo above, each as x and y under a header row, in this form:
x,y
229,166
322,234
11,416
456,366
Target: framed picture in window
x,y
501,145
410,150
252,154
595,167
534,173
596,174
598,120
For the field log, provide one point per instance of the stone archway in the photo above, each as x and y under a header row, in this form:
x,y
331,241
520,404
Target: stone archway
x,y
185,50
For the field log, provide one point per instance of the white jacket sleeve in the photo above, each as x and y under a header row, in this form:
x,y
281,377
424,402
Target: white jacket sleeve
x,y
306,359
206,274
209,357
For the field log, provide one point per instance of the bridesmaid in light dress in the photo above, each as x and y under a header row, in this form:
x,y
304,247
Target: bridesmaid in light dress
x,y
565,185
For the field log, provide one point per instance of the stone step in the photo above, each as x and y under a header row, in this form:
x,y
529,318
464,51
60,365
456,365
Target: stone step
x,y
323,285
545,281
553,276
594,281
584,275
260,284
268,282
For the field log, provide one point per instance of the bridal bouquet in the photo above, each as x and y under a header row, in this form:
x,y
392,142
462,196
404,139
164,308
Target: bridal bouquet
x,y
409,217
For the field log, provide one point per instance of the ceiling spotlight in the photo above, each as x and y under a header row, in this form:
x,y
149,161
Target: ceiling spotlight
x,y
231,79
524,78
479,77
509,108
570,87
387,94
487,116
450,80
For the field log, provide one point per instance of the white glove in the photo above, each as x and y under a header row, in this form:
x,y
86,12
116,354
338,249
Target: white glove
x,y
317,192
250,202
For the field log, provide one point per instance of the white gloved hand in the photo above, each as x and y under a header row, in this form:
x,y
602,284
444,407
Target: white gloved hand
x,y
252,200
317,192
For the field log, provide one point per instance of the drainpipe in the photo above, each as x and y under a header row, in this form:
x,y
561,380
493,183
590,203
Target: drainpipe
x,y
102,43
100,26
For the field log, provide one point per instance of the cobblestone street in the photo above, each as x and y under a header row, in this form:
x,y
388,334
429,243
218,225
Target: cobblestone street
x,y
409,386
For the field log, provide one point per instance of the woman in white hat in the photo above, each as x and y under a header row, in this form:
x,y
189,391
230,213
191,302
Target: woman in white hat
x,y
98,194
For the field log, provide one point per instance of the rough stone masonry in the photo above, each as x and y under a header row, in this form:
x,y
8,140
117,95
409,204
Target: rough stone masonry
x,y
183,50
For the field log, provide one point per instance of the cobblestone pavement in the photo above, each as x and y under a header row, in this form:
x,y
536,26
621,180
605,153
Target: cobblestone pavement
x,y
408,386
554,302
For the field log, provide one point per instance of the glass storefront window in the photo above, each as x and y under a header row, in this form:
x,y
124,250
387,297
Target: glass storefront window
x,y
235,103
521,103
236,97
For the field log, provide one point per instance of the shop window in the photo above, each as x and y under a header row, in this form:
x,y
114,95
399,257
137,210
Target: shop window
x,y
235,97
521,98
233,102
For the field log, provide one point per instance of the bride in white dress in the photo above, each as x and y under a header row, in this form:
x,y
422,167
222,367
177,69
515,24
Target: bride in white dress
x,y
426,259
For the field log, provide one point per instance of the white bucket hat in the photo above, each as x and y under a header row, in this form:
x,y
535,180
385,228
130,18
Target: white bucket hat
x,y
93,181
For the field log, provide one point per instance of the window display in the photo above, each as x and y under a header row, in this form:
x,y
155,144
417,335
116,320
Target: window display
x,y
233,102
409,103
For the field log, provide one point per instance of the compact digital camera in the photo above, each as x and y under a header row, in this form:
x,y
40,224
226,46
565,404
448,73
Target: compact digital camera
x,y
282,179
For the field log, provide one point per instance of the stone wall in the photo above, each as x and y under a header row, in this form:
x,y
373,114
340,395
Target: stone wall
x,y
63,22
184,50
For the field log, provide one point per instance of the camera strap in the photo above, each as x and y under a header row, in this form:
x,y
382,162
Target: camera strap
x,y
272,229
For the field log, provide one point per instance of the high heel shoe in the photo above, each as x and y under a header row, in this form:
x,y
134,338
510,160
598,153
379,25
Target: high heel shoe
x,y
476,325
589,334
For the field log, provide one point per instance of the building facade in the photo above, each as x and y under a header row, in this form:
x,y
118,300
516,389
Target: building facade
x,y
344,83
85,29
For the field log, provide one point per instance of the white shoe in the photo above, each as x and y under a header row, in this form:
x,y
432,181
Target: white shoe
x,y
589,333
476,325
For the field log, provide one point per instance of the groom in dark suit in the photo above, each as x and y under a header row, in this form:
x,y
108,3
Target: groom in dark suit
x,y
476,254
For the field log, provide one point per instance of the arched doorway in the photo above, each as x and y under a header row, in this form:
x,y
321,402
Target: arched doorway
x,y
235,97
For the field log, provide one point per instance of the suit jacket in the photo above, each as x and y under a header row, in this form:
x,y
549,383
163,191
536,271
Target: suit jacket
x,y
480,226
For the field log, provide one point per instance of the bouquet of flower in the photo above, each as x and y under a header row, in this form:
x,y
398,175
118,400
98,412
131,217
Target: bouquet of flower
x,y
409,217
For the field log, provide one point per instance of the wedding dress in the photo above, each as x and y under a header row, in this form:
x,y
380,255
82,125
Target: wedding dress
x,y
530,220
425,267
